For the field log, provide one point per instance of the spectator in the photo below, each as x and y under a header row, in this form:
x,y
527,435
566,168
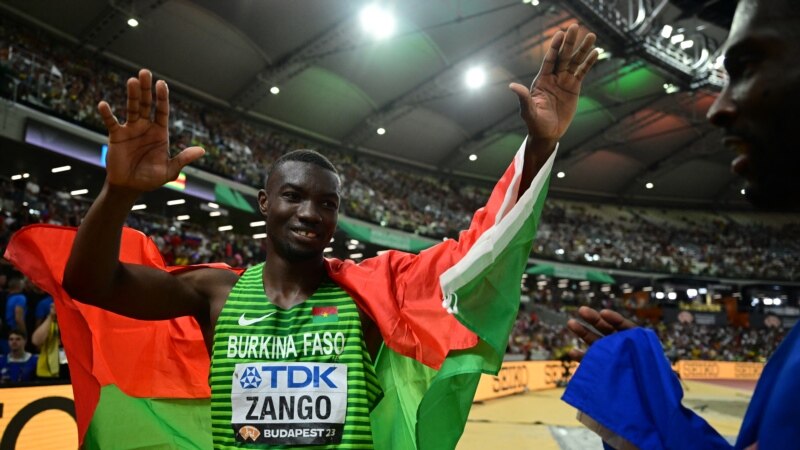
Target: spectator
x,y
18,365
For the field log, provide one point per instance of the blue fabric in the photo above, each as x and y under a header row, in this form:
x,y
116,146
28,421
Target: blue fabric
x,y
13,301
773,418
43,308
626,384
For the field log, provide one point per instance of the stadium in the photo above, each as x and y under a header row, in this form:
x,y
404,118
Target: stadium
x,y
638,212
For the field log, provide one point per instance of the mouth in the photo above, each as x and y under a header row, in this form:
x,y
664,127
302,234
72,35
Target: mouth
x,y
305,234
741,164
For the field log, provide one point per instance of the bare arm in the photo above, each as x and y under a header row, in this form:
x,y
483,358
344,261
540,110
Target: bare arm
x,y
43,329
19,318
138,161
549,106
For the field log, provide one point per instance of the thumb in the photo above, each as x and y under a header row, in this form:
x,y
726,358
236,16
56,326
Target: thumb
x,y
185,157
524,95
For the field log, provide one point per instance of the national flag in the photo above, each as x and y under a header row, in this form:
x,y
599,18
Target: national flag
x,y
429,369
324,314
178,184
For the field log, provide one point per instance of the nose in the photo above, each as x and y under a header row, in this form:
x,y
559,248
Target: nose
x,y
309,212
723,110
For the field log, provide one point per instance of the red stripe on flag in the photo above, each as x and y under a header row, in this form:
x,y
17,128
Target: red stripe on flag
x,y
324,311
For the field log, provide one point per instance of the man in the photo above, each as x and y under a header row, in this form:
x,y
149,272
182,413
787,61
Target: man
x,y
18,366
298,319
16,305
758,111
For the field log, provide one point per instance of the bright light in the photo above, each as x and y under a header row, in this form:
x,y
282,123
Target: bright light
x,y
672,296
26,175
79,192
596,257
183,217
327,250
60,169
675,39
16,177
139,207
535,2
475,77
702,291
214,214
133,23
742,191
777,302
381,131
560,251
213,205
659,295
351,247
274,90
377,22
225,228
561,174
260,223
670,88
691,293
473,157
179,201
356,255
259,235
352,241
768,301
666,31
687,44
649,185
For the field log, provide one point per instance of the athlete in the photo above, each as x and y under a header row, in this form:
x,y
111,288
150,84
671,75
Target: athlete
x,y
291,353
757,111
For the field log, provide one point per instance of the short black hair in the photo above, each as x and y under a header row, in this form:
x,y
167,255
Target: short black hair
x,y
305,156
18,332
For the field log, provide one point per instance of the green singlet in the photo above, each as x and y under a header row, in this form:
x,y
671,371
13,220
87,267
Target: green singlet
x,y
291,378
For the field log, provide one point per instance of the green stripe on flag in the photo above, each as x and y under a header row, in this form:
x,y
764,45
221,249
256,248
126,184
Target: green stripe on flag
x,y
123,422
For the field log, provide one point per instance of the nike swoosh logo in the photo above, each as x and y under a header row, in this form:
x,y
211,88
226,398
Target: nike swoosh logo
x,y
243,321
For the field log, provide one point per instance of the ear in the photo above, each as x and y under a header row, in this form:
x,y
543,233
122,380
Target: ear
x,y
263,203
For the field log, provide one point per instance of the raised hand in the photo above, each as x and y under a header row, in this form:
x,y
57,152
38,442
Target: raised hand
x,y
605,321
549,106
138,151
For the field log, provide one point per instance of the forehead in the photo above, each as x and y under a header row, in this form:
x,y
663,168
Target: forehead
x,y
756,19
304,175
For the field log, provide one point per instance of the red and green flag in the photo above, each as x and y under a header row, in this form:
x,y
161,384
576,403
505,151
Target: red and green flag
x,y
144,384
324,314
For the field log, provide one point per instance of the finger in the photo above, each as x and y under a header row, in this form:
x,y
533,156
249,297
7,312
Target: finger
x,y
550,58
134,99
585,334
586,46
524,95
146,82
186,156
109,120
616,320
565,52
576,354
162,103
584,68
593,318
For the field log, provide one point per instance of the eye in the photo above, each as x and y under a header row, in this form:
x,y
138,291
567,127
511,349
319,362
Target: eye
x,y
330,204
291,196
741,66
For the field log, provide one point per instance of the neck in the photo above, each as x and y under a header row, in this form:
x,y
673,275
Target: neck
x,y
289,283
17,354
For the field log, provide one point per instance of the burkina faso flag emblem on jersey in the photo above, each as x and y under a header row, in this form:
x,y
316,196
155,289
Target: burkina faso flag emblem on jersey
x,y
324,314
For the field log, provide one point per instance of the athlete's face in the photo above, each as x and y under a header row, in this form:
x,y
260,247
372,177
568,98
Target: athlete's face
x,y
758,109
301,207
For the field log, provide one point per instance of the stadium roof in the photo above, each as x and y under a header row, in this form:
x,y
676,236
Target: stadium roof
x,y
640,119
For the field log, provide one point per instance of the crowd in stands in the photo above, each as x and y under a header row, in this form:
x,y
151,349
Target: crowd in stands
x,y
537,338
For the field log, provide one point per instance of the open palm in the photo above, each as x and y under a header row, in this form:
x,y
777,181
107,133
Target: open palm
x,y
549,106
138,151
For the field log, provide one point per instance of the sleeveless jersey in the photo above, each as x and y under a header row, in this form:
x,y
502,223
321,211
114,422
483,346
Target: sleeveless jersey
x,y
290,377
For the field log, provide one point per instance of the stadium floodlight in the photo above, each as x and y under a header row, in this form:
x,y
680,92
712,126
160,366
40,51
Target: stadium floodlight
x,y
351,246
356,255
274,90
561,174
691,293
260,236
666,32
649,185
742,191
702,291
213,205
676,39
473,157
327,250
768,301
133,23
26,175
777,301
353,241
377,22
259,223
79,192
381,131
16,177
475,77
660,295
139,207
687,44
60,169
214,214
672,296
178,201
183,217
225,228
